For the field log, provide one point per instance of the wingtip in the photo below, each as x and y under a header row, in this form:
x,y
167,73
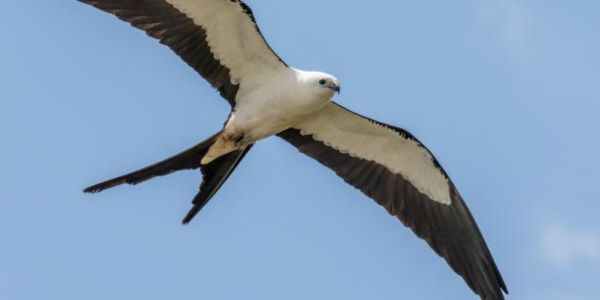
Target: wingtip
x,y
503,286
92,190
90,2
97,188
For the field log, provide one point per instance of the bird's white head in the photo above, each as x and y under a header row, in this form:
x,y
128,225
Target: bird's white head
x,y
323,85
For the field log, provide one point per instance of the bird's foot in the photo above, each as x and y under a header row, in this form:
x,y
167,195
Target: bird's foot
x,y
239,139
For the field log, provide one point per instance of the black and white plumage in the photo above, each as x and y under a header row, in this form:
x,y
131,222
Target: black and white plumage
x,y
221,41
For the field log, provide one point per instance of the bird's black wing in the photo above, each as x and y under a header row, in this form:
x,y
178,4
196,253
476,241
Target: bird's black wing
x,y
217,38
392,167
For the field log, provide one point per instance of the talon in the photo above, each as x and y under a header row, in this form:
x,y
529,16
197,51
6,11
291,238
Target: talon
x,y
238,139
241,142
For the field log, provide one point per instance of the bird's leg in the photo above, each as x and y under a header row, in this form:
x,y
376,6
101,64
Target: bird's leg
x,y
239,139
225,143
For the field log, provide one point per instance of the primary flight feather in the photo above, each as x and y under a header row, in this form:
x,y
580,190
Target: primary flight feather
x,y
222,42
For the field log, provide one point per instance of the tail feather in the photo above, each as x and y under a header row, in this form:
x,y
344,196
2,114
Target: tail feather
x,y
188,159
214,174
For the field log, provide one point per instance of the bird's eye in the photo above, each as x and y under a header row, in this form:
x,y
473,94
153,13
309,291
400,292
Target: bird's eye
x,y
322,81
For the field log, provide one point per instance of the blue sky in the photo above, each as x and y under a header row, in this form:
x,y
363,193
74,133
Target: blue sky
x,y
505,93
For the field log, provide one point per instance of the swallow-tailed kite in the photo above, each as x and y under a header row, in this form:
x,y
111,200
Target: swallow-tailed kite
x,y
221,41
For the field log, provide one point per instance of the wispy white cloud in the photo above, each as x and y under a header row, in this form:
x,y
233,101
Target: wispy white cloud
x,y
512,24
531,38
564,246
567,297
561,295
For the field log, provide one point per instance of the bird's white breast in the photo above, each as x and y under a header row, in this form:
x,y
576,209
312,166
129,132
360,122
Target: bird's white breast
x,y
273,103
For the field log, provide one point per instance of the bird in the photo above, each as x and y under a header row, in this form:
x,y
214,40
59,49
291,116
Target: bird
x,y
221,41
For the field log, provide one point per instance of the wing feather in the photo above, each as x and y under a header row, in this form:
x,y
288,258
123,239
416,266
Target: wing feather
x,y
447,227
219,39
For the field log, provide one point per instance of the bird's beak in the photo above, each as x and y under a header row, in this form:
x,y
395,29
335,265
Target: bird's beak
x,y
336,88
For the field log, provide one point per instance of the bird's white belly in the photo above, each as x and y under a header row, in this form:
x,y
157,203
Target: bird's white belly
x,y
263,115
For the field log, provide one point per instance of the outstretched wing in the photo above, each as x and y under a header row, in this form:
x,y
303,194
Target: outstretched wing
x,y
217,38
392,167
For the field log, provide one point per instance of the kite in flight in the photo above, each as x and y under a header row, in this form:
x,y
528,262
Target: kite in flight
x,y
221,41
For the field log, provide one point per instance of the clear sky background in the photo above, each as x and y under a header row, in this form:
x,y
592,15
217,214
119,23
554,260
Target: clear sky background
x,y
505,93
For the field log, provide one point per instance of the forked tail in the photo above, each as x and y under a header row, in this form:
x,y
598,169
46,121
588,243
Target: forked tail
x,y
214,174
